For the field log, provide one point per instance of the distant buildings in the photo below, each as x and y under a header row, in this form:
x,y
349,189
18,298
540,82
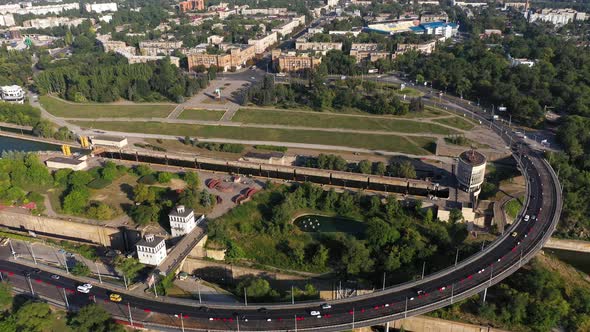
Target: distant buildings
x,y
439,28
189,5
273,158
101,7
471,170
427,17
151,250
28,8
130,53
368,52
234,56
182,220
263,11
12,94
293,61
556,16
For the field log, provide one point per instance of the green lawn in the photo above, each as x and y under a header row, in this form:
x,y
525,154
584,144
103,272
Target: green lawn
x,y
64,109
368,141
513,206
324,120
456,122
200,114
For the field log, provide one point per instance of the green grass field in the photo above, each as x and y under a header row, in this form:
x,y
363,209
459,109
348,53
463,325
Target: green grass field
x,y
367,141
200,114
456,122
513,206
324,120
64,109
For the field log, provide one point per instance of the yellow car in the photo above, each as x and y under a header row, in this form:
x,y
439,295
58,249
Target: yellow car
x,y
514,234
115,297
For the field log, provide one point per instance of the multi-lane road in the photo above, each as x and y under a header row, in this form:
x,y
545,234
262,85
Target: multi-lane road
x,y
500,259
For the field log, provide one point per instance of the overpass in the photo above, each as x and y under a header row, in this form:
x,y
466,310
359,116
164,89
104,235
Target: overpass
x,y
500,259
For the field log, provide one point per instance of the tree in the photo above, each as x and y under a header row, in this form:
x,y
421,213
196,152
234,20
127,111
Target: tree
x,y
379,168
33,317
142,194
144,214
191,179
164,177
365,167
129,267
93,318
76,200
5,294
455,215
356,257
80,269
321,256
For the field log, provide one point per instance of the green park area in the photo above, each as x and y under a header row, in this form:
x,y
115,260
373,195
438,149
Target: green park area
x,y
64,109
366,141
201,114
359,235
331,120
456,122
514,206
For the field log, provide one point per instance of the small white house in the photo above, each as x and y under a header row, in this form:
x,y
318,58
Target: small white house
x,y
182,220
151,250
117,142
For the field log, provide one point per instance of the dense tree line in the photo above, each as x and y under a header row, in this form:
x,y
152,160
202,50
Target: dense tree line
x,y
15,67
109,77
403,169
22,177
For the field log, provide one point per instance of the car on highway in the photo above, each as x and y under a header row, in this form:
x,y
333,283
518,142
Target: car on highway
x,y
54,277
514,234
36,270
326,306
89,286
527,217
83,289
314,313
115,297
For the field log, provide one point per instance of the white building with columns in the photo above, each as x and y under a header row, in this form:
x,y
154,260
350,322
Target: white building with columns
x,y
151,250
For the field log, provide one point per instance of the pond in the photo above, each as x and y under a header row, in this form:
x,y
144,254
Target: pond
x,y
314,223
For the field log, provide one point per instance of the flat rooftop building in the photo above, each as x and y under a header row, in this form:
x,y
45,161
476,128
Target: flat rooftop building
x,y
117,142
68,163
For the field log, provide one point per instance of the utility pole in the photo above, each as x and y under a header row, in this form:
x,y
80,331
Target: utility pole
x,y
452,292
456,257
423,269
125,281
245,297
295,317
155,290
199,289
353,318
33,254
237,323
12,249
66,298
292,296
98,270
130,317
406,310
66,263
182,323
384,280
30,285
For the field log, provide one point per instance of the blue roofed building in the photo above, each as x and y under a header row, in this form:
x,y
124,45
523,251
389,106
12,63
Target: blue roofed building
x,y
444,29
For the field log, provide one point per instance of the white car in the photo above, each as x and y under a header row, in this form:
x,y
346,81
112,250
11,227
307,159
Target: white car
x,y
89,286
326,306
83,289
527,217
314,313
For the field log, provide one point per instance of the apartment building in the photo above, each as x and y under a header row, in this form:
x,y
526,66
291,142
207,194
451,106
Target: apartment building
x,y
236,55
263,11
368,52
288,27
109,45
263,43
317,46
293,61
7,20
427,17
155,48
132,58
101,7
425,48
28,8
556,16
49,22
189,5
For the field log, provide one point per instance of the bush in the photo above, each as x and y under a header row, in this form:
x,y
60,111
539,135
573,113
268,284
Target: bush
x,y
80,269
164,177
148,179
271,148
142,170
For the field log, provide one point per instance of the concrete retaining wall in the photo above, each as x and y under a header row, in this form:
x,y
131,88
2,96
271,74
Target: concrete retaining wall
x,y
428,324
97,234
573,245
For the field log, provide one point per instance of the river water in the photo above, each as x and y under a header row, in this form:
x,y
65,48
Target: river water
x,y
14,144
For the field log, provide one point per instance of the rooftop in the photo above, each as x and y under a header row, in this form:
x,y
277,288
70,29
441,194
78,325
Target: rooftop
x,y
109,138
180,211
264,155
62,160
152,244
472,157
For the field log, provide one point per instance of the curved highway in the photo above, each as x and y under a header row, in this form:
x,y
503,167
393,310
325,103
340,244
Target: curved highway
x,y
501,258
